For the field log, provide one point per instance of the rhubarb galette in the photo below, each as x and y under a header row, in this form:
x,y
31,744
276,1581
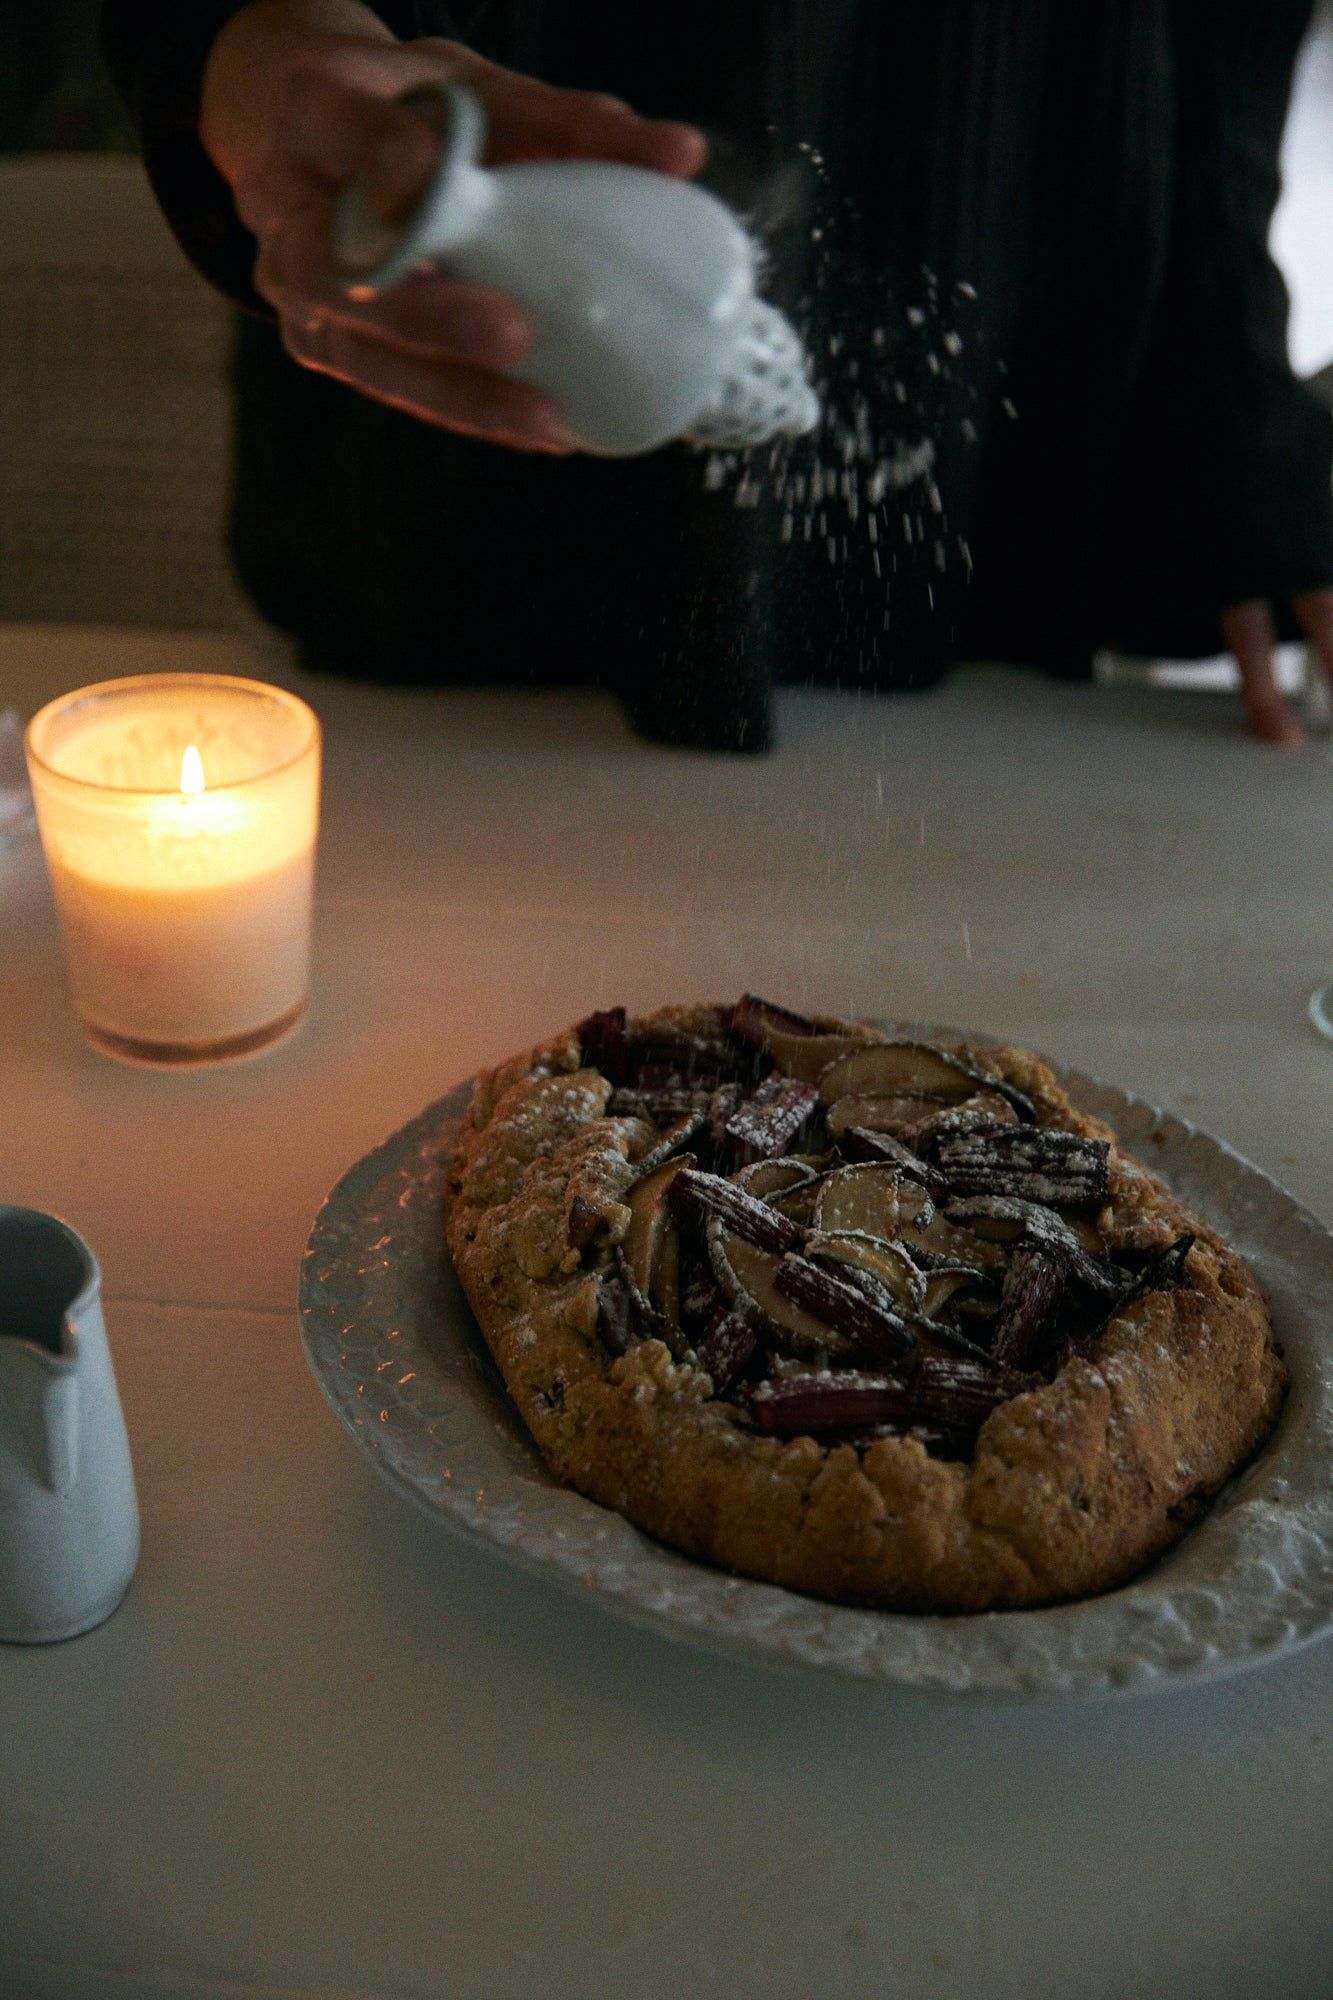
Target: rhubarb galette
x,y
882,1320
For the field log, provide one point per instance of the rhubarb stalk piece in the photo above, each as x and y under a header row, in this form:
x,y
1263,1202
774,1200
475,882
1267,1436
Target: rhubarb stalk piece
x,y
660,1107
725,1349
700,1297
1030,1163
770,1123
696,1055
986,1112
723,1104
798,1404
602,1044
699,1195
958,1394
953,1397
1034,1286
1004,1219
846,1308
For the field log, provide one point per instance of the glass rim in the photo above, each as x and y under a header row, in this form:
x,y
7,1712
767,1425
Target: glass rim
x,y
104,690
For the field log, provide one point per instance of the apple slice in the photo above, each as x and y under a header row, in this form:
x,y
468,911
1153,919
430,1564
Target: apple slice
x,y
860,1145
747,1276
937,1242
888,1266
914,1069
767,1178
943,1285
895,1114
753,1020
896,1069
871,1200
805,1057
650,1247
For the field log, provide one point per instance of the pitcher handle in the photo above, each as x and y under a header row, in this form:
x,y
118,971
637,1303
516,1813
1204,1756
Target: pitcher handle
x,y
60,1423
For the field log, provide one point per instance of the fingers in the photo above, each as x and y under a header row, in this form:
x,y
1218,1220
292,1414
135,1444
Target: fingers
x,y
329,132
335,129
1247,632
434,317
529,120
470,400
438,349
579,127
429,317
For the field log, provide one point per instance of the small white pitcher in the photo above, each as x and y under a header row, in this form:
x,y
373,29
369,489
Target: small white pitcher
x,y
69,1519
641,290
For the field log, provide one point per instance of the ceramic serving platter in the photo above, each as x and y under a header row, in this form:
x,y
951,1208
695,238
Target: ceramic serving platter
x,y
396,1350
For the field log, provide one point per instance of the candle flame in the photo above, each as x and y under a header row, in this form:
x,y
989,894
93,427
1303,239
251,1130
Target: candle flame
x,y
192,772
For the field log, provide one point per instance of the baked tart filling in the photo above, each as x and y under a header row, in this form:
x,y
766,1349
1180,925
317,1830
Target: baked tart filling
x,y
893,1248
880,1319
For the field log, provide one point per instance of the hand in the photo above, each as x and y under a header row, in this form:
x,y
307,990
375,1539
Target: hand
x,y
1247,633
298,98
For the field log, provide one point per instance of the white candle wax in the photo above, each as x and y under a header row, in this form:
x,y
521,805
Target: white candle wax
x,y
179,814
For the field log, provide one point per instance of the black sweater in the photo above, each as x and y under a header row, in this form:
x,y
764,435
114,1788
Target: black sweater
x,y
1041,235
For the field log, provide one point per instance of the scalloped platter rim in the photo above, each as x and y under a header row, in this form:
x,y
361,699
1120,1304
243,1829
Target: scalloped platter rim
x,y
395,1349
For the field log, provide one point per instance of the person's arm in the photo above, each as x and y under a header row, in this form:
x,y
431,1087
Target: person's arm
x,y
1265,442
275,105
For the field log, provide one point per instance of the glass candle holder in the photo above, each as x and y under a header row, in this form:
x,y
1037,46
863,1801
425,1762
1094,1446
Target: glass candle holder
x,y
179,815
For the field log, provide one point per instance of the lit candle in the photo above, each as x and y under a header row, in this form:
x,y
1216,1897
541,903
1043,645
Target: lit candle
x,y
178,814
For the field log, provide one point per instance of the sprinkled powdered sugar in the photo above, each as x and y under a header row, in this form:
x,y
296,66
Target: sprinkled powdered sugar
x,y
879,387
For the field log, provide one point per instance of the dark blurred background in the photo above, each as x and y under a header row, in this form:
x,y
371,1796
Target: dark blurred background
x,y
114,392
54,96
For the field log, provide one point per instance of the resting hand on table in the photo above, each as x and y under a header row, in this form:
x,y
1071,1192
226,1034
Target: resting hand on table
x,y
1248,634
298,99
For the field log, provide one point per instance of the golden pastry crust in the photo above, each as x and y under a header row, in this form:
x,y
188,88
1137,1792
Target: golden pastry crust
x,y
1073,1486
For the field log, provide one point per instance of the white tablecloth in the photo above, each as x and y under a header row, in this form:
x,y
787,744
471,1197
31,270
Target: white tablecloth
x,y
326,1749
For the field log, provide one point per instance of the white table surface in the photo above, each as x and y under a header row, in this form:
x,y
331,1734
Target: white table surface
x,y
325,1748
